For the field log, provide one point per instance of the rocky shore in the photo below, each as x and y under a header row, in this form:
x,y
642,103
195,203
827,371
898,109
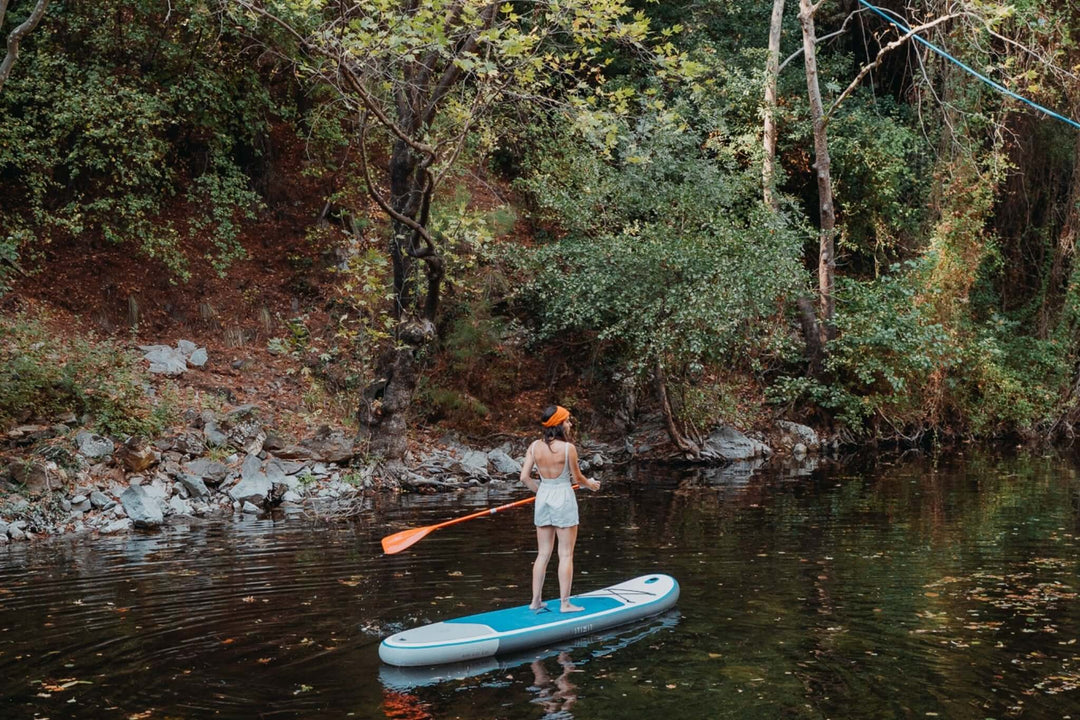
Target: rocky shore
x,y
60,479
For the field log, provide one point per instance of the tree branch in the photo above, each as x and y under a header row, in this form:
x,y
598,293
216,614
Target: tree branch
x,y
823,38
16,36
881,56
378,198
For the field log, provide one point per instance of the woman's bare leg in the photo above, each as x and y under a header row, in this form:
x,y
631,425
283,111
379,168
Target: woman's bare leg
x,y
567,539
545,543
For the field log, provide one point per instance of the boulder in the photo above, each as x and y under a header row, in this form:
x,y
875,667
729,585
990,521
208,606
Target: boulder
x,y
213,434
727,443
330,446
101,501
474,463
93,446
37,476
502,463
254,486
210,471
141,508
136,455
117,526
193,484
164,360
793,434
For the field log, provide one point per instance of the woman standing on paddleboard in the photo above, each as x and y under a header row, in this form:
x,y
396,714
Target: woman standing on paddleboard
x,y
555,513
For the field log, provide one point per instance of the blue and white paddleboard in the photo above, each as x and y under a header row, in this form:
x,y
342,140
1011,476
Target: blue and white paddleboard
x,y
519,628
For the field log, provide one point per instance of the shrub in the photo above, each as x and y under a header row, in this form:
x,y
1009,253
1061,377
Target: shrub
x,y
43,374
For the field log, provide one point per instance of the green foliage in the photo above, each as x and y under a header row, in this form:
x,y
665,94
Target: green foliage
x,y
669,256
43,373
886,356
117,115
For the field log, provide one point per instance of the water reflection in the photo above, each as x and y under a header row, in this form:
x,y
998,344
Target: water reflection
x,y
915,587
556,696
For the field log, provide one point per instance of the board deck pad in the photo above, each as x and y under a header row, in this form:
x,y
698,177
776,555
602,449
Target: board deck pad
x,y
517,628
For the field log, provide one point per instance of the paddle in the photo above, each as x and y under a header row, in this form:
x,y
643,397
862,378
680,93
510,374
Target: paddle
x,y
407,538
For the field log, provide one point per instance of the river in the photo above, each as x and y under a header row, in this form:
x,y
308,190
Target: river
x,y
901,588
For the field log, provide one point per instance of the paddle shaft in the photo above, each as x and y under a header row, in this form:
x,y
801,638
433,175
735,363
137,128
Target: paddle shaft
x,y
489,511
399,541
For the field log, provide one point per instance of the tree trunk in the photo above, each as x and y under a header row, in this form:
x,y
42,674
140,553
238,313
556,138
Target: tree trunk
x,y
677,436
826,245
772,70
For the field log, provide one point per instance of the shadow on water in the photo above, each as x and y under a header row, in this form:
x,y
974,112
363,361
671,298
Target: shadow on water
x,y
913,587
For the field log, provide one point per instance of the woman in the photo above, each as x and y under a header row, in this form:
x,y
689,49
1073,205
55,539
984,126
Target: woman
x,y
555,513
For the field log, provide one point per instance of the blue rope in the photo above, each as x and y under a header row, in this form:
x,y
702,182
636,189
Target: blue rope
x,y
988,81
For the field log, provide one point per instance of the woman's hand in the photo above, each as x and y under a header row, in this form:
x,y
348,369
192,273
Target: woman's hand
x,y
592,483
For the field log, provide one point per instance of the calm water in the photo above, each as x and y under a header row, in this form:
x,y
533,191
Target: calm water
x,y
915,588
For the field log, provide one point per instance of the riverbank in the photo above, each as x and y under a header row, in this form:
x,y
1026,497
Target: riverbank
x,y
57,477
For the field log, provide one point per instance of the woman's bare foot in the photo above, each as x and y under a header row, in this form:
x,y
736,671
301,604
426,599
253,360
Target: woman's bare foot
x,y
535,606
567,607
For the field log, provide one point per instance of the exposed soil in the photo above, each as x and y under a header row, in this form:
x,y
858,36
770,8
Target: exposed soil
x,y
108,289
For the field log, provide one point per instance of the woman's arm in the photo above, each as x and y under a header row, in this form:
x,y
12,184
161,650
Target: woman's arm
x,y
593,485
526,470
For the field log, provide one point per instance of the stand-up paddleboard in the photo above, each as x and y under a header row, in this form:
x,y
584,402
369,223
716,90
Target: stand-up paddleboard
x,y
585,648
519,628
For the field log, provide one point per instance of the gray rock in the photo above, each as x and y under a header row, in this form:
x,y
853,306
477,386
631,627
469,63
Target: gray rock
x,y
143,509
93,446
81,503
209,470
250,509
291,496
193,484
503,463
794,434
164,360
254,485
727,443
242,411
213,434
799,450
188,443
101,501
179,507
16,533
198,358
474,463
597,460
118,526
330,446
3,528
186,347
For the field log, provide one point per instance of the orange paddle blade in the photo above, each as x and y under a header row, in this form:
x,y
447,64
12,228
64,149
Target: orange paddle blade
x,y
406,538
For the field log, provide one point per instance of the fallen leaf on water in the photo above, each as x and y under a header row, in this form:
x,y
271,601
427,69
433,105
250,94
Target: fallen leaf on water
x,y
248,599
455,573
352,581
228,641
264,661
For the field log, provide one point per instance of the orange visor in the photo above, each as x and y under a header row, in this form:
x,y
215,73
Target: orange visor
x,y
558,417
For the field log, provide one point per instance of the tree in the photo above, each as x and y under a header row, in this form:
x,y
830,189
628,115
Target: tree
x,y
16,35
420,77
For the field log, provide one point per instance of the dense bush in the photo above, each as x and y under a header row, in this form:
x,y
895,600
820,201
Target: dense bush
x,y
117,111
668,257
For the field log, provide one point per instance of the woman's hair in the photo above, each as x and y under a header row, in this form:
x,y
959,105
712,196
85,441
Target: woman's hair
x,y
552,433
